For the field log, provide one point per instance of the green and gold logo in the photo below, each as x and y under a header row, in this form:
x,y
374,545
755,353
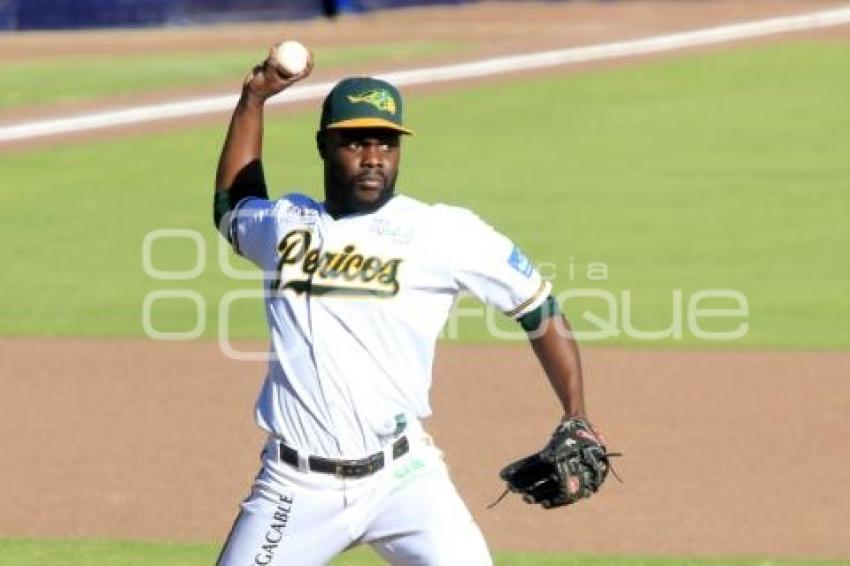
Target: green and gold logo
x,y
346,272
380,99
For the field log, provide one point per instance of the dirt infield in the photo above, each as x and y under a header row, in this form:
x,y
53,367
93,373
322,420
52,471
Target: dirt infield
x,y
726,453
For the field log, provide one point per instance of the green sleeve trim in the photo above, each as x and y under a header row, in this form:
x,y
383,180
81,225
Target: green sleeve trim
x,y
221,206
532,320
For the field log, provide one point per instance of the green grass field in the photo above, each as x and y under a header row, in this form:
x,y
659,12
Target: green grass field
x,y
23,82
91,553
723,170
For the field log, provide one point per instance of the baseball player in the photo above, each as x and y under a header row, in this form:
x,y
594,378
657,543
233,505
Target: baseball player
x,y
357,289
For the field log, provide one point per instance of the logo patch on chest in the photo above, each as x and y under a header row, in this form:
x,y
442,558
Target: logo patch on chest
x,y
383,228
346,272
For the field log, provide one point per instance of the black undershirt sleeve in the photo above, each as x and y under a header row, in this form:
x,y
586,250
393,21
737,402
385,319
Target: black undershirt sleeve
x,y
249,182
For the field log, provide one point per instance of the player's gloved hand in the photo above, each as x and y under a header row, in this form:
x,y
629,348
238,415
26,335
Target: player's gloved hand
x,y
573,465
268,78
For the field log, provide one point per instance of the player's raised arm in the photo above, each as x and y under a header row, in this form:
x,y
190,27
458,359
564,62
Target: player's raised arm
x,y
240,171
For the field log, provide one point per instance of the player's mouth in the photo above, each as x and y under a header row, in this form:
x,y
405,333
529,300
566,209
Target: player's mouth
x,y
371,182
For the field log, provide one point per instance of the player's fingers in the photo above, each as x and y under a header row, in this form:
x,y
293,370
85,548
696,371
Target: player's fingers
x,y
274,70
253,73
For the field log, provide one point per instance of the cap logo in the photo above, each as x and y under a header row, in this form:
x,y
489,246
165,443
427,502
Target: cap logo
x,y
380,99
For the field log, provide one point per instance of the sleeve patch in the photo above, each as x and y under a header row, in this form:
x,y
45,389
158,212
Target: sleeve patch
x,y
518,261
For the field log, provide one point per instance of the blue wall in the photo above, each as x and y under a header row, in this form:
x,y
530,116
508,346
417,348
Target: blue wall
x,y
75,14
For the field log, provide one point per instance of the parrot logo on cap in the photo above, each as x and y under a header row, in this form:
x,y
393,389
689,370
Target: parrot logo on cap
x,y
380,99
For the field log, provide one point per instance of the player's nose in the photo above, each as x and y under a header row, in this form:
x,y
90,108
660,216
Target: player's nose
x,y
371,156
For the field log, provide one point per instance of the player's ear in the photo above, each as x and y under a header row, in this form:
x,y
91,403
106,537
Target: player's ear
x,y
320,143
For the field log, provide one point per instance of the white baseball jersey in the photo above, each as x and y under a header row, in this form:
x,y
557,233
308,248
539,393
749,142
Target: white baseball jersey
x,y
354,307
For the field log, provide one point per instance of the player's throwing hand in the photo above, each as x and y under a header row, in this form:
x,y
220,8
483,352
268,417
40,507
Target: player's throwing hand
x,y
269,77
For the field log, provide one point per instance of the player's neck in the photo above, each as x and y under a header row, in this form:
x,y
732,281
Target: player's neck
x,y
338,209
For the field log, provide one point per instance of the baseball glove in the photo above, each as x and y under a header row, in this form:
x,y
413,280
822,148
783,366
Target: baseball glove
x,y
572,466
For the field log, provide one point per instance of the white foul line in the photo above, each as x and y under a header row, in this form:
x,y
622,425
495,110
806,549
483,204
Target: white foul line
x,y
199,106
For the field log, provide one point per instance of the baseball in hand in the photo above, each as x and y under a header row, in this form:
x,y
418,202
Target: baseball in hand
x,y
291,56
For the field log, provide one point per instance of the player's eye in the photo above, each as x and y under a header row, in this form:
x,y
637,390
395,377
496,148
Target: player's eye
x,y
354,145
388,144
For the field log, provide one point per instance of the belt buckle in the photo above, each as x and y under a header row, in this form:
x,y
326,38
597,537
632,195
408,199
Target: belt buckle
x,y
346,469
358,468
341,468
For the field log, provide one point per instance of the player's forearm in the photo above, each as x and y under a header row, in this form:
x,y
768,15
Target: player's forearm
x,y
243,146
240,171
558,354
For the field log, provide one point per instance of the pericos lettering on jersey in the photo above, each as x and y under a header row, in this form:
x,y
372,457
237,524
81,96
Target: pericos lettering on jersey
x,y
346,272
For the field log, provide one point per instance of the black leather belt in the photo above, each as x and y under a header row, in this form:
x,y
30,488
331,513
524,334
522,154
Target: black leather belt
x,y
345,468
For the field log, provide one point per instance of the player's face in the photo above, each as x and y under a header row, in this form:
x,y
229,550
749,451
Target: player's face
x,y
361,166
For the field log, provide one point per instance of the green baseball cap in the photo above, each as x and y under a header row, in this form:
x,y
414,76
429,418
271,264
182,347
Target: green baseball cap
x,y
362,102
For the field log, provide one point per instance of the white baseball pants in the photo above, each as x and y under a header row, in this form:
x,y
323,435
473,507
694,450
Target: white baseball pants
x,y
409,512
